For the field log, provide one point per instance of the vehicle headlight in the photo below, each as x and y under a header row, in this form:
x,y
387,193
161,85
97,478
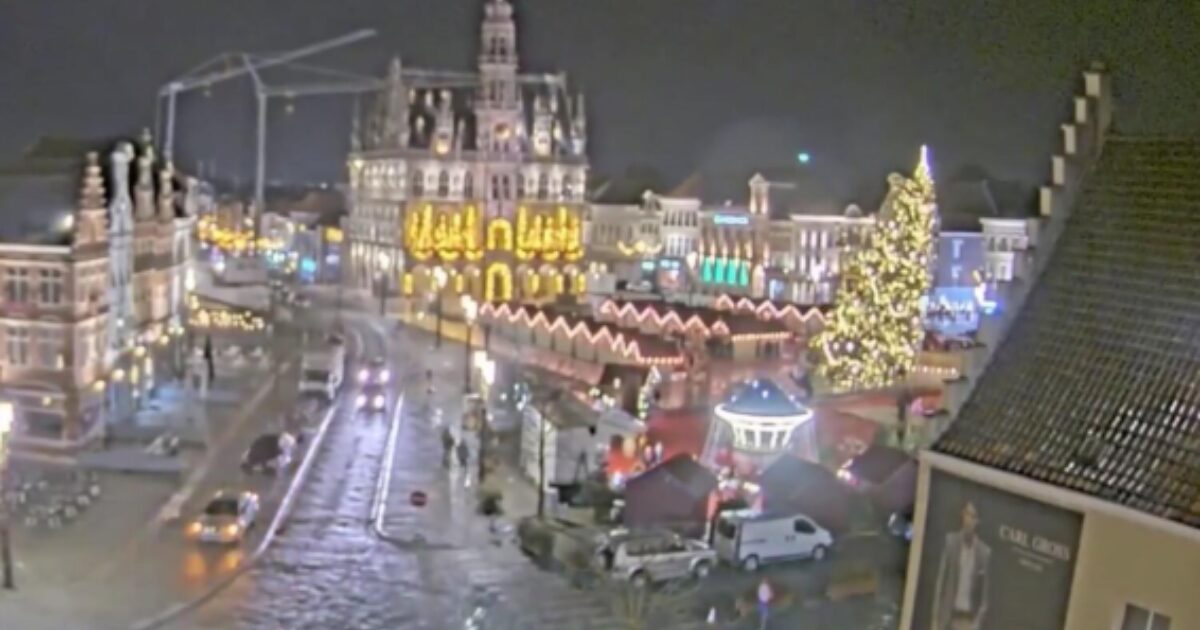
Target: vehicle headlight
x,y
379,400
384,375
231,530
363,375
194,528
360,401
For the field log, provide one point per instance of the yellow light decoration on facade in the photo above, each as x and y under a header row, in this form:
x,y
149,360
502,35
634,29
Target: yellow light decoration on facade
x,y
872,337
498,283
639,248
500,235
406,283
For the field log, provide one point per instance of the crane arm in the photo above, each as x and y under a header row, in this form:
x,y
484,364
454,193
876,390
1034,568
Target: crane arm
x,y
191,82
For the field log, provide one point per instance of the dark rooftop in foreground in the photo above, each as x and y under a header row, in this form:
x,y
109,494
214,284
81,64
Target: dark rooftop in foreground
x,y
1097,386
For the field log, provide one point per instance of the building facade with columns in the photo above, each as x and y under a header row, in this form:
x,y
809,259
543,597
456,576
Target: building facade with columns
x,y
470,183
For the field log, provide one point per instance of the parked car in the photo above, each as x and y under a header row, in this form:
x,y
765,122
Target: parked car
x,y
646,557
372,399
226,518
749,539
270,452
375,371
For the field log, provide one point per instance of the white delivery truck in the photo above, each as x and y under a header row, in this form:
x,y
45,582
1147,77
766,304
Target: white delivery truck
x,y
749,539
323,368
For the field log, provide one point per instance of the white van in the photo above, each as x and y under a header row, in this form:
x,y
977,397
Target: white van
x,y
322,370
749,539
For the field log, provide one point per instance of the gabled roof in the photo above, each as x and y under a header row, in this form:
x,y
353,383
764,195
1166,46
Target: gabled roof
x,y
686,472
1097,386
878,463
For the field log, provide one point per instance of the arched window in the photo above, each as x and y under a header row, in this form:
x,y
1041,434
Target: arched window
x,y
443,189
520,186
468,185
418,183
543,187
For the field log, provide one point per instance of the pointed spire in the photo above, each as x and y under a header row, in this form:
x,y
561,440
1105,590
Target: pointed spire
x,y
147,141
393,126
91,192
143,193
166,194
356,143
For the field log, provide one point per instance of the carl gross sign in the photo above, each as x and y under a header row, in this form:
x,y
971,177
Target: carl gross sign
x,y
991,560
1049,548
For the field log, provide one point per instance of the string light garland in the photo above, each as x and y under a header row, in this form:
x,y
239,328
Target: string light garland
x,y
875,330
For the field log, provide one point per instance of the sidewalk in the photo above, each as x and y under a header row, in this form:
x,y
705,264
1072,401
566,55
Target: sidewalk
x,y
60,571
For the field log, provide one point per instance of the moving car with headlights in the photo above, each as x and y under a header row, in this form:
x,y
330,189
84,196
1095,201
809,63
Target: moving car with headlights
x,y
375,371
647,557
225,519
372,398
749,539
270,452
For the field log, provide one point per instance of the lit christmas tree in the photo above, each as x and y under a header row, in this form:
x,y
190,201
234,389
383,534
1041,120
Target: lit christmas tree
x,y
875,331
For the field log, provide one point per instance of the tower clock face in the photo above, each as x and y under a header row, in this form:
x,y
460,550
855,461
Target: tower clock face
x,y
502,131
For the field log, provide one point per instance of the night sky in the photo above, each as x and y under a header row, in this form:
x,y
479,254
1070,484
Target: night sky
x,y
673,84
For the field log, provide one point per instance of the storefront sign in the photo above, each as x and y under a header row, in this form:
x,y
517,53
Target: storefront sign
x,y
731,219
993,560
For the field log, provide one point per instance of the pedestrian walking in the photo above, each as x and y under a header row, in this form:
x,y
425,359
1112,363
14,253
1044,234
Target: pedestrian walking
x,y
209,359
447,446
463,452
765,594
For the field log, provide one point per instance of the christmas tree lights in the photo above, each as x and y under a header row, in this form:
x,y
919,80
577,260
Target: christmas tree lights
x,y
872,337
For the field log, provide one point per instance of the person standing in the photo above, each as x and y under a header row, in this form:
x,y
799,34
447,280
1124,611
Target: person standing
x,y
209,359
765,595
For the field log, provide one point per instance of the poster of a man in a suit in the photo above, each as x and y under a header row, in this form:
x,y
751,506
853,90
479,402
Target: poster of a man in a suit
x,y
960,598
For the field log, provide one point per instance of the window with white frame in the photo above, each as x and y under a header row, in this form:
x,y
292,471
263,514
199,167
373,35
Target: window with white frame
x,y
16,285
50,283
1138,618
17,345
956,245
49,348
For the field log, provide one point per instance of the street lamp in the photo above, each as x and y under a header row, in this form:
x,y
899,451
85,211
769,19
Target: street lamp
x,y
439,281
385,262
470,309
6,421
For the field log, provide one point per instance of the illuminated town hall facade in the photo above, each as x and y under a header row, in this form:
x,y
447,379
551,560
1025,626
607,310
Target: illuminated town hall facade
x,y
470,183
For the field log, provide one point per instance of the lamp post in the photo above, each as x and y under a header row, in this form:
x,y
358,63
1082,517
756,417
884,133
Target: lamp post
x,y
470,309
384,262
487,375
6,419
439,281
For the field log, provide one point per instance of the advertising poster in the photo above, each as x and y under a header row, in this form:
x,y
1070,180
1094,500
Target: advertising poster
x,y
992,560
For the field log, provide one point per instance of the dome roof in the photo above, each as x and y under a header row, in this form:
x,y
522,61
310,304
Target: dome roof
x,y
762,397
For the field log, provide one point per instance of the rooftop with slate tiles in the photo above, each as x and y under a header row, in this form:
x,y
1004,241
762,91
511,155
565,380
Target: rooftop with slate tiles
x,y
1096,387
